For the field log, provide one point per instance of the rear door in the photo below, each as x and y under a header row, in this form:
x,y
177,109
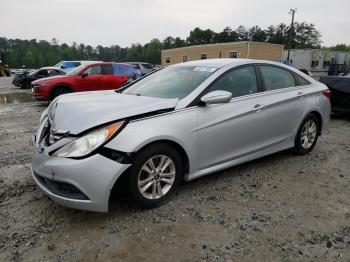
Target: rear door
x,y
284,102
108,78
232,130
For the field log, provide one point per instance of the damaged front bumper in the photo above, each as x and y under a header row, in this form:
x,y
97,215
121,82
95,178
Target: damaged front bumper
x,y
76,183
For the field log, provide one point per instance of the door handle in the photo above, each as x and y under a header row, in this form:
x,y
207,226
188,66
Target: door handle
x,y
258,107
300,94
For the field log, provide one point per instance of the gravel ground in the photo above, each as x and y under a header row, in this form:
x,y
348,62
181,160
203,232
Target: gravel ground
x,y
281,207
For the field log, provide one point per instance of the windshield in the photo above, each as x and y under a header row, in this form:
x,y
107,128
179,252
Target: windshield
x,y
59,64
75,71
33,72
171,82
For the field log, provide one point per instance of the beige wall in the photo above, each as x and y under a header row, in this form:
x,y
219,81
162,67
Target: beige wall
x,y
244,50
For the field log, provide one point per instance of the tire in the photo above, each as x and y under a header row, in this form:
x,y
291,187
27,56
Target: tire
x,y
61,90
27,85
307,135
158,186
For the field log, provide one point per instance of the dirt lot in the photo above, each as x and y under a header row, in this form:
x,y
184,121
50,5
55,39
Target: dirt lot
x,y
282,207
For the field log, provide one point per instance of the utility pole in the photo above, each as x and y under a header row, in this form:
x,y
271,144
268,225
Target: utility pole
x,y
292,12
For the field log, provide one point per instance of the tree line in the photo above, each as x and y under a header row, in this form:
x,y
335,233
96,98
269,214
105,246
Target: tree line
x,y
339,47
37,53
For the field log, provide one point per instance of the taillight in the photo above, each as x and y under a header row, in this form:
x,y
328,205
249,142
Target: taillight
x,y
328,93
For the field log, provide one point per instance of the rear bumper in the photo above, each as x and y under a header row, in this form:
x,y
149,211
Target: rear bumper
x,y
81,184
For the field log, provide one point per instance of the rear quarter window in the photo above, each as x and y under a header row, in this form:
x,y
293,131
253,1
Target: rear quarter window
x,y
301,81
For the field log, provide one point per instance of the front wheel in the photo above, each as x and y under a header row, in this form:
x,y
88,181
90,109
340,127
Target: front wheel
x,y
307,135
61,90
26,85
155,175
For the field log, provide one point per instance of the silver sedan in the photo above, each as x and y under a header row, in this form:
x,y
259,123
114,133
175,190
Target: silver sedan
x,y
179,123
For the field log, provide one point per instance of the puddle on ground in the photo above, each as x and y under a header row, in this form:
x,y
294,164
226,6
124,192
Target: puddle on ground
x,y
16,98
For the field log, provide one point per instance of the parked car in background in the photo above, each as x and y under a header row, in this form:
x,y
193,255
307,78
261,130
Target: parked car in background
x,y
92,77
144,68
25,79
181,122
17,71
340,87
67,66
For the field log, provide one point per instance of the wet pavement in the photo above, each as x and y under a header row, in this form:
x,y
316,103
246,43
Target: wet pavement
x,y
16,98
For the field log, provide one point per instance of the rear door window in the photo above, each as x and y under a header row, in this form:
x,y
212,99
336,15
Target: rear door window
x,y
147,66
54,72
239,82
43,73
276,78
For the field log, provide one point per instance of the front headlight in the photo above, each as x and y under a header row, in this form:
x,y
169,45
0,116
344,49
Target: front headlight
x,y
89,142
42,84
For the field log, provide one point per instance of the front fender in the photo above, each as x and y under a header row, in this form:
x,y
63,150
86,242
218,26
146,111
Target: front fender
x,y
179,127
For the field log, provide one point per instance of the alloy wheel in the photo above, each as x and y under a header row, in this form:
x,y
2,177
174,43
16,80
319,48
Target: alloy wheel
x,y
308,134
156,177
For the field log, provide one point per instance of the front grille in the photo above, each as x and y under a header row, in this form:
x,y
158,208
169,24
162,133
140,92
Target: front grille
x,y
61,188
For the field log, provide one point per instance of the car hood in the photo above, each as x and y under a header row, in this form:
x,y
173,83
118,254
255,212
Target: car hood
x,y
49,78
75,113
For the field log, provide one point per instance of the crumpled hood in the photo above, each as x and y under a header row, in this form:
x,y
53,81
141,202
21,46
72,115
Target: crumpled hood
x,y
78,112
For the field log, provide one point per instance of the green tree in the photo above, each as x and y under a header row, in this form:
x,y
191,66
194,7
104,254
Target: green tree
x,y
200,37
152,51
29,60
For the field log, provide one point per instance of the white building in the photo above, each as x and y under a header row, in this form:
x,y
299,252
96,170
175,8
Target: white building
x,y
319,62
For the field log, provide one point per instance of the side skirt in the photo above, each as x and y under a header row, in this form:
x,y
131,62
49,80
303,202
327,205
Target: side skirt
x,y
255,155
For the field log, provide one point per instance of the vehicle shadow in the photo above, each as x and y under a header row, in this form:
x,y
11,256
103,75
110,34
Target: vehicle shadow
x,y
340,116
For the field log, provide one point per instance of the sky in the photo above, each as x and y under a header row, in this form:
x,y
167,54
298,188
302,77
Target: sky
x,y
123,22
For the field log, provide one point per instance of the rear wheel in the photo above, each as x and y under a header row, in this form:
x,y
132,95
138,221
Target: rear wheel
x,y
156,174
61,90
307,135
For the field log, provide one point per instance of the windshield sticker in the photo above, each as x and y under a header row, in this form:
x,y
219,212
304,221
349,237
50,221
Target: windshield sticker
x,y
204,69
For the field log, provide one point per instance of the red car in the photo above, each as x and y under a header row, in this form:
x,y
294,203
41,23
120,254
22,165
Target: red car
x,y
97,76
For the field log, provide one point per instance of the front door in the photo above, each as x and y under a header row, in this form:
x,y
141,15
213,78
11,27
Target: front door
x,y
92,81
235,129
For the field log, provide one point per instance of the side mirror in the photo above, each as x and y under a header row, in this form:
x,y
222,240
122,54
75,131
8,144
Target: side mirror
x,y
63,67
83,75
217,97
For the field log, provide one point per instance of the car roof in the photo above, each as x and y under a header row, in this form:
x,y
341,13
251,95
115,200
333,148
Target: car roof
x,y
51,68
122,63
221,62
107,63
138,63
